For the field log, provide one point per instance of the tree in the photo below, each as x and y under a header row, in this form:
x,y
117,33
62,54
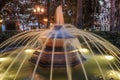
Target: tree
x,y
18,10
112,17
79,17
117,14
118,10
3,2
90,10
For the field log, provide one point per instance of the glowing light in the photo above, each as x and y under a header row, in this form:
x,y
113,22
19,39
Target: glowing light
x,y
35,11
101,2
51,24
3,59
119,75
38,9
1,21
29,50
108,57
45,20
114,74
42,9
12,75
84,50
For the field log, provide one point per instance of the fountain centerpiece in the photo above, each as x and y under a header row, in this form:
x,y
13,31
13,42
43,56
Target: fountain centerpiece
x,y
57,47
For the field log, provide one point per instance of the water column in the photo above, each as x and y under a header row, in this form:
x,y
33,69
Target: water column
x,y
59,15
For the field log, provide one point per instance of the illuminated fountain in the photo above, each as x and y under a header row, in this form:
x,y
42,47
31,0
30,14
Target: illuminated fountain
x,y
55,50
60,53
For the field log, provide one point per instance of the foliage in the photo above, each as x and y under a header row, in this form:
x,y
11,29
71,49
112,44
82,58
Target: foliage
x,y
90,9
14,10
5,35
21,11
113,37
3,2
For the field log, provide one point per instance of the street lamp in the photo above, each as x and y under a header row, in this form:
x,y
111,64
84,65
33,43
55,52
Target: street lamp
x,y
38,11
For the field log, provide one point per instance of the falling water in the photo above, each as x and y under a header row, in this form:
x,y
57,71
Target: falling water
x,y
67,60
52,59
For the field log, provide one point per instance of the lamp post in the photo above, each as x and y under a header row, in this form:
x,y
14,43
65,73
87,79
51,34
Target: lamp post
x,y
38,11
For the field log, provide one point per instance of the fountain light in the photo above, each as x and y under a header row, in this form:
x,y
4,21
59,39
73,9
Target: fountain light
x,y
108,57
114,74
3,59
29,50
84,50
11,76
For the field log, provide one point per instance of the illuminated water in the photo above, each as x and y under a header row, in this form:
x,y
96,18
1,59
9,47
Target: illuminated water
x,y
101,58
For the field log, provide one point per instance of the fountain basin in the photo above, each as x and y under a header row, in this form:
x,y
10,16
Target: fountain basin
x,y
59,59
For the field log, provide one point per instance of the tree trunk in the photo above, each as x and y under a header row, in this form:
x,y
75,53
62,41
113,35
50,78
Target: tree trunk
x,y
112,17
48,12
79,17
119,15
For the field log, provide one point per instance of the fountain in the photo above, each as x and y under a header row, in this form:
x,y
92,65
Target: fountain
x,y
58,39
62,52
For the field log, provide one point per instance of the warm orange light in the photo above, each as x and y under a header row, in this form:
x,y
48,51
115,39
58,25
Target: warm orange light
x,y
1,21
45,20
39,10
42,10
34,10
51,23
